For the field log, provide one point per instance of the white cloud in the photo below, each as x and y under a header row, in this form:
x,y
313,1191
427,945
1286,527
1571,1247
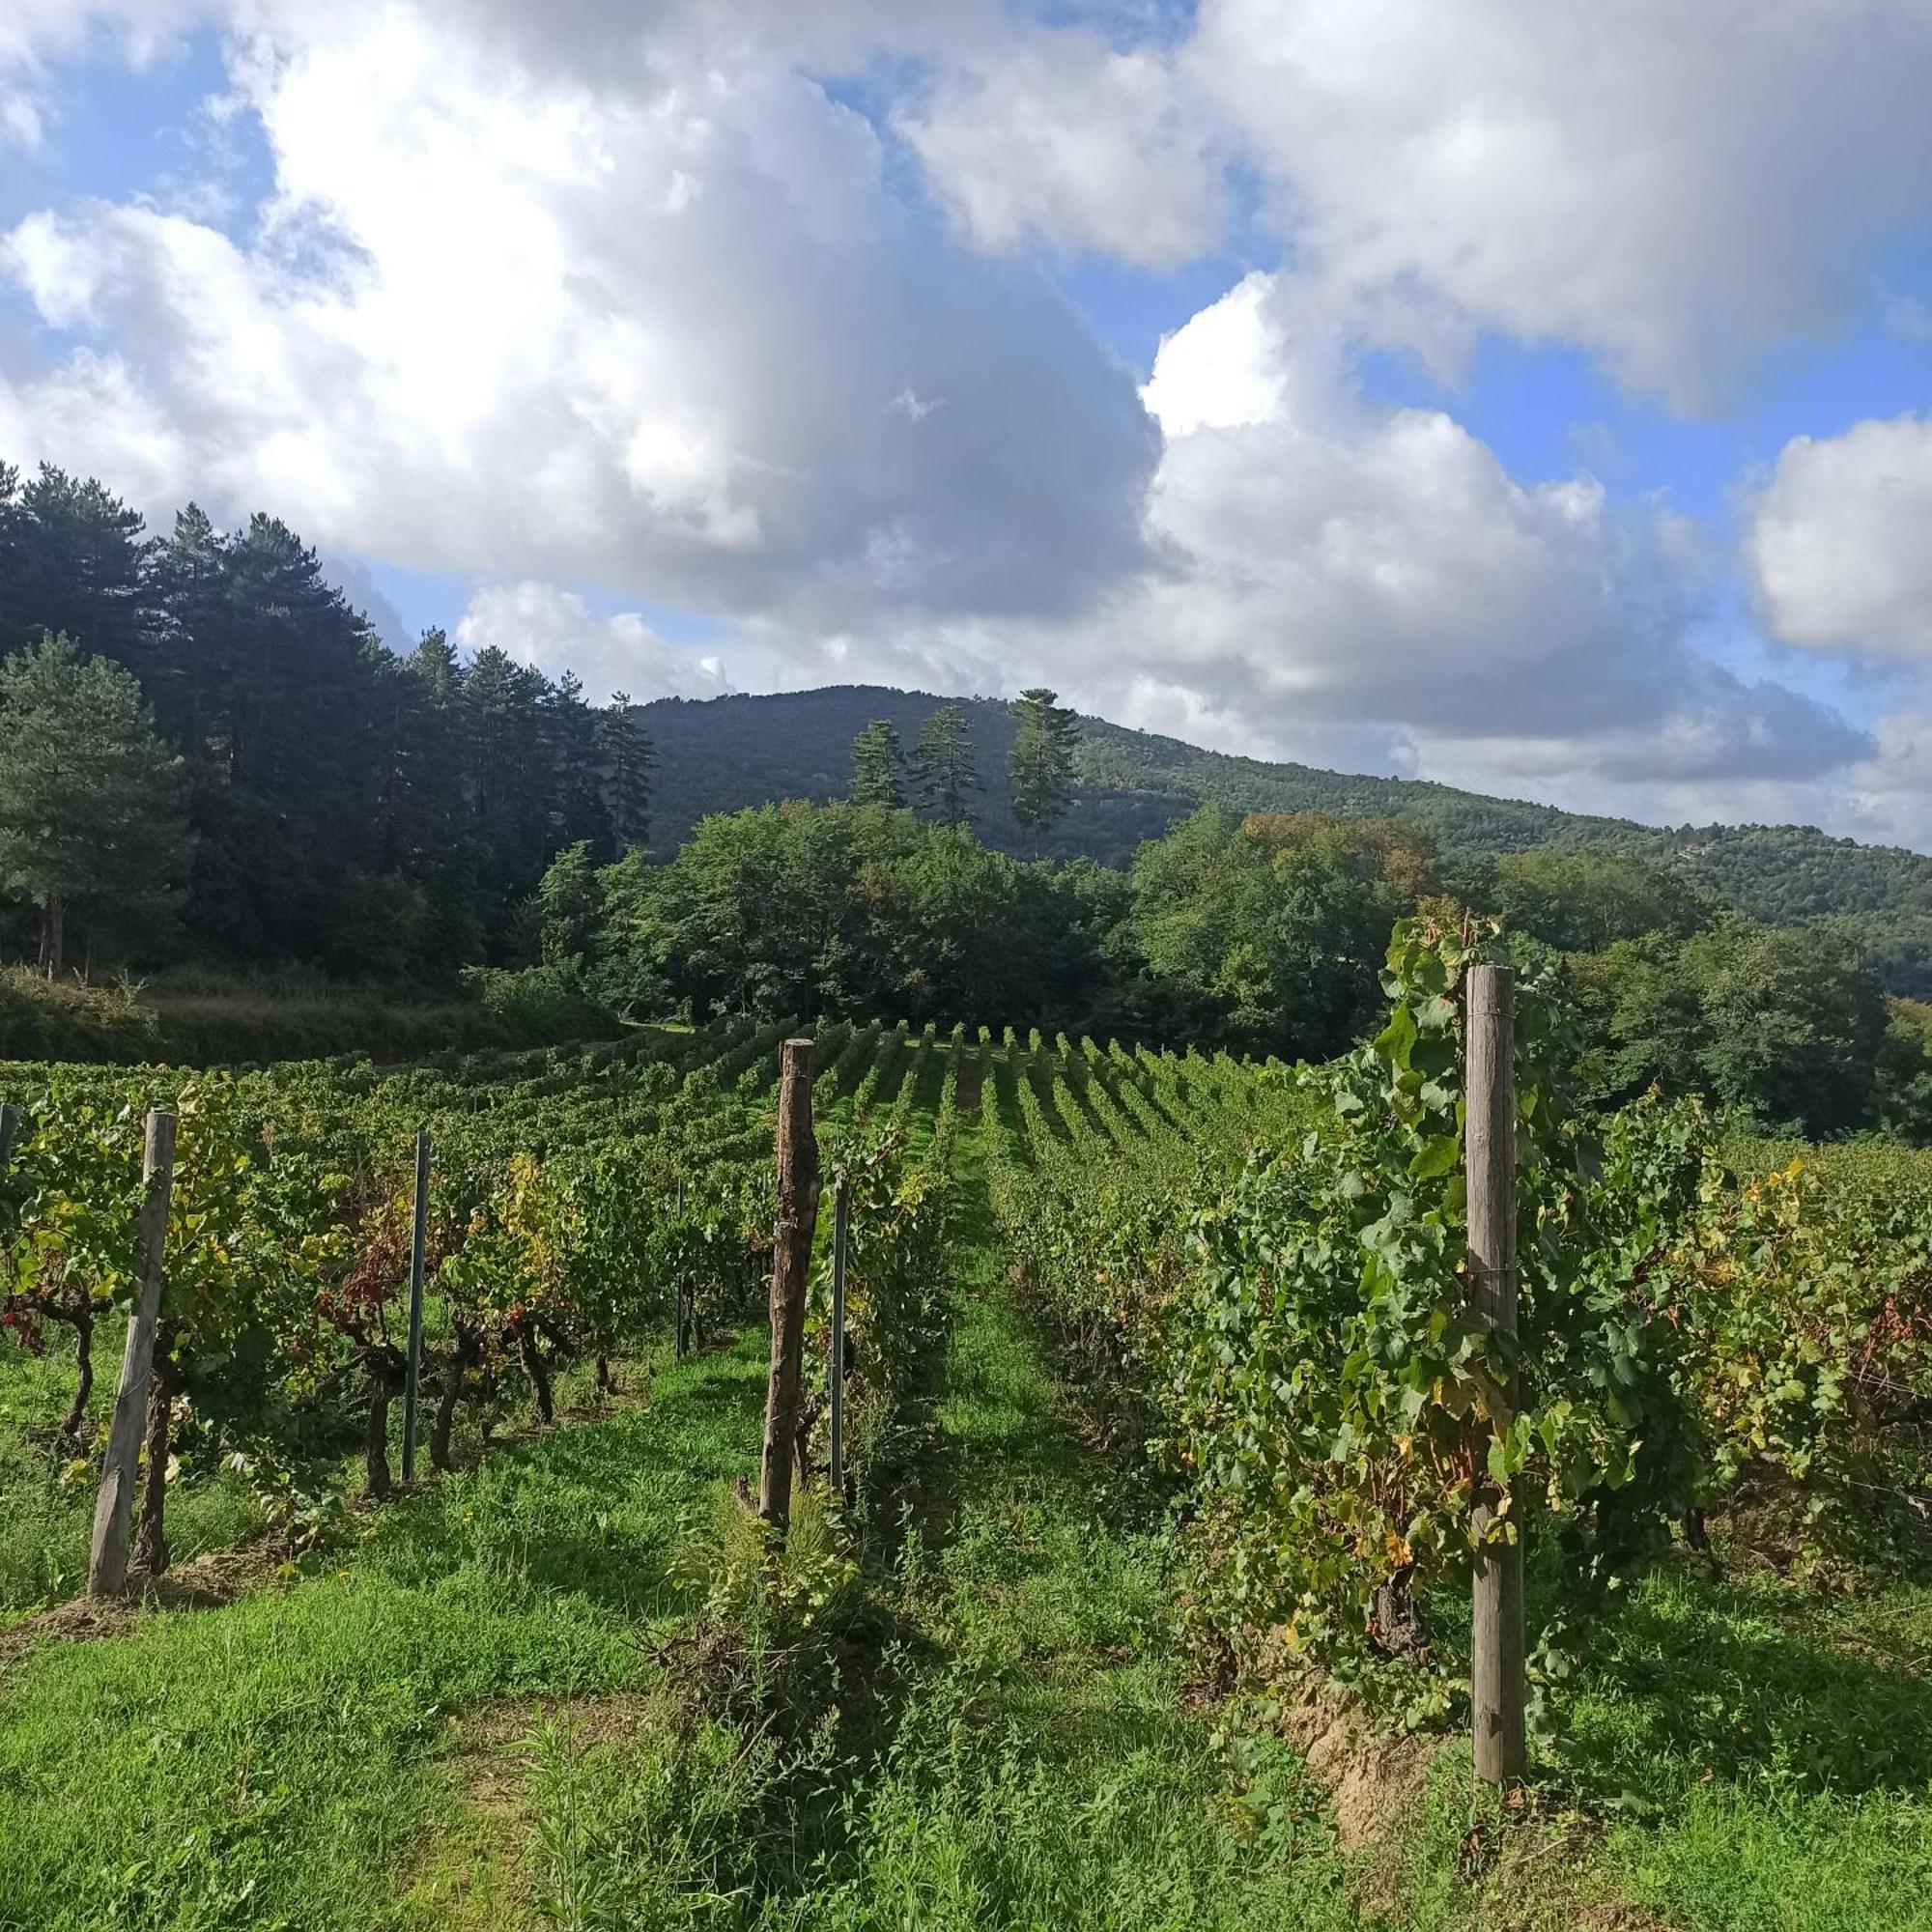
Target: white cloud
x,y
555,631
1058,134
1677,189
1840,541
1225,368
593,294
648,335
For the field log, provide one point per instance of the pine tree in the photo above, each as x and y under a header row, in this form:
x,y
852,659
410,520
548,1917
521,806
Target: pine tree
x,y
92,824
582,816
944,772
197,658
875,767
1040,767
75,568
627,772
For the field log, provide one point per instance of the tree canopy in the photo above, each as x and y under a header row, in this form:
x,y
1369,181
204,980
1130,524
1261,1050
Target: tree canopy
x,y
93,830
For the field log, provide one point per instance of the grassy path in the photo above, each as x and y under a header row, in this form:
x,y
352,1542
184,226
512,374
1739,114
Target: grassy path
x,y
1044,1771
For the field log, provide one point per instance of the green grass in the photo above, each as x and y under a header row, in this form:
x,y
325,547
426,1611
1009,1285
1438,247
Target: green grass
x,y
46,1497
1777,1752
1020,1756
278,1763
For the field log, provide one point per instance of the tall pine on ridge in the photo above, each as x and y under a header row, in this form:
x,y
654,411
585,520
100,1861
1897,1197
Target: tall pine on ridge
x,y
875,767
627,772
943,774
1040,767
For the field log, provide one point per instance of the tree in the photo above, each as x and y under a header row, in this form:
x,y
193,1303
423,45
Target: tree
x,y
1583,898
577,768
627,772
1793,1020
943,771
1040,767
92,816
72,557
1263,935
875,766
569,905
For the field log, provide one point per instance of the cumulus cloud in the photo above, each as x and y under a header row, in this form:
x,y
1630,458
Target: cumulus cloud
x,y
1059,135
1328,560
1678,191
1840,541
555,631
653,338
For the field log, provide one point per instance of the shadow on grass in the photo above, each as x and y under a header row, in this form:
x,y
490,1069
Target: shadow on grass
x,y
1695,1679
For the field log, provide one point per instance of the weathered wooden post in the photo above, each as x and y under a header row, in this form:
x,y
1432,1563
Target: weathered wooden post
x,y
834,1368
791,1270
1496,1640
681,1323
10,1131
114,1503
418,1249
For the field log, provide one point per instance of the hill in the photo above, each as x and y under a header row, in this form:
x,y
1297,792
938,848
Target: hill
x,y
717,754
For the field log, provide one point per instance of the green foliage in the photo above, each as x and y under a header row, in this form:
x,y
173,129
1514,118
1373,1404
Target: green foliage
x,y
568,905
1337,1404
1259,935
627,760
943,774
1784,1025
833,909
71,1019
876,762
91,815
1039,768
1583,898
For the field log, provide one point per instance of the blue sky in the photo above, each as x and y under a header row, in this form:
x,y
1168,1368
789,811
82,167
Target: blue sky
x,y
1527,406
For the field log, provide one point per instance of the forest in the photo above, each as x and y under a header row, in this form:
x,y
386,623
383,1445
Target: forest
x,y
211,761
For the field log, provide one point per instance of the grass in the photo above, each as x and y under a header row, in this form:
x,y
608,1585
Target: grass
x,y
1770,1754
47,1498
1021,1753
280,1762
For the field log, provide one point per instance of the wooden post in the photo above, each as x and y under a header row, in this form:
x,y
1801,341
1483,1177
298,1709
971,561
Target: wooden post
x,y
791,1270
1496,1640
834,1369
114,1502
681,1291
9,1128
419,1248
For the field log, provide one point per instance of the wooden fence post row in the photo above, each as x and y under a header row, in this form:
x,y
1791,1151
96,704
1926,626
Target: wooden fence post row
x,y
1496,1695
419,1248
791,1270
114,1502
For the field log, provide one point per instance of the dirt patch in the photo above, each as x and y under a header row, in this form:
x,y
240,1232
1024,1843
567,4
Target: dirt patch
x,y
203,1583
471,1871
1525,1869
1374,1779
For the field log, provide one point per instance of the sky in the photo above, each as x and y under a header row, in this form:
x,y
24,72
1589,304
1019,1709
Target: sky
x,y
1534,395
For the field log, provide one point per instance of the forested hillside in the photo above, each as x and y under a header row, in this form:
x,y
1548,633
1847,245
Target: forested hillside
x,y
716,755
367,807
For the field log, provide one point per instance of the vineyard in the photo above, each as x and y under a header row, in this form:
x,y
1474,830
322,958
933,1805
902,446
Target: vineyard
x,y
1168,1419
